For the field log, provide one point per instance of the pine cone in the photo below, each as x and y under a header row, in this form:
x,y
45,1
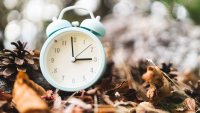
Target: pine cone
x,y
19,59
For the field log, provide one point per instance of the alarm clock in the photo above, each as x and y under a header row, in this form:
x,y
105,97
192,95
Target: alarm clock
x,y
73,58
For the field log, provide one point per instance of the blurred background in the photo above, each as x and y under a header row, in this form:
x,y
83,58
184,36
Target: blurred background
x,y
164,31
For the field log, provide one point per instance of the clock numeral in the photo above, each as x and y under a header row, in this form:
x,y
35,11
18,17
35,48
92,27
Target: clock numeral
x,y
92,49
63,77
73,80
64,42
57,50
91,69
84,78
95,59
52,60
55,70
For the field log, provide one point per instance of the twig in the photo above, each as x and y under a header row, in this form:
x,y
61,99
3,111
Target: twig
x,y
71,96
95,104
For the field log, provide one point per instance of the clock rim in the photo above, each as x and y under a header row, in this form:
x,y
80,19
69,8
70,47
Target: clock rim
x,y
43,54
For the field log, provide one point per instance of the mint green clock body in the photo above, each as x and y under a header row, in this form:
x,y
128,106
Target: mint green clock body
x,y
73,58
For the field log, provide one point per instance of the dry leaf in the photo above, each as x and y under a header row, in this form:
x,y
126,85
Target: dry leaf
x,y
58,102
49,95
26,96
147,107
189,105
39,90
58,105
77,109
80,103
107,99
92,91
159,86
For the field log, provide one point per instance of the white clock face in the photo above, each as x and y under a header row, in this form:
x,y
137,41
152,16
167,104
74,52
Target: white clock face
x,y
73,59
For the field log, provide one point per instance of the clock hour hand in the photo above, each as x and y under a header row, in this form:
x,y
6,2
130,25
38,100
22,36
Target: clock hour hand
x,y
83,58
72,46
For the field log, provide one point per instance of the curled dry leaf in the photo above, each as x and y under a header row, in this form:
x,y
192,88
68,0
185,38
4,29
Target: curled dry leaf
x,y
159,86
77,109
26,96
58,105
125,107
107,99
92,91
147,107
49,98
49,95
80,103
189,104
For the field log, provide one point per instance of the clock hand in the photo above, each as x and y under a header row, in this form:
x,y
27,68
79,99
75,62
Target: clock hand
x,y
72,46
83,50
84,59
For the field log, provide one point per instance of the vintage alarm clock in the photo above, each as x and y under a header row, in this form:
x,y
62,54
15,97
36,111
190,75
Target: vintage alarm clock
x,y
73,58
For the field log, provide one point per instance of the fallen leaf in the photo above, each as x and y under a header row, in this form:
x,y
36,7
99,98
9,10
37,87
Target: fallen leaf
x,y
147,107
80,103
189,104
26,96
159,86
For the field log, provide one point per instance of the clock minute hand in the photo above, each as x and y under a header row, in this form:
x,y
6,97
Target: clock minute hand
x,y
72,46
83,50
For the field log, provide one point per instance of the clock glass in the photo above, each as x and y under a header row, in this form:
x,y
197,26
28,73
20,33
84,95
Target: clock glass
x,y
73,59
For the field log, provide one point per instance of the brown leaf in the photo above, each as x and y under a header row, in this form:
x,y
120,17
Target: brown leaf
x,y
40,90
92,91
133,84
25,96
159,86
189,104
151,92
147,107
77,109
49,95
2,103
107,99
